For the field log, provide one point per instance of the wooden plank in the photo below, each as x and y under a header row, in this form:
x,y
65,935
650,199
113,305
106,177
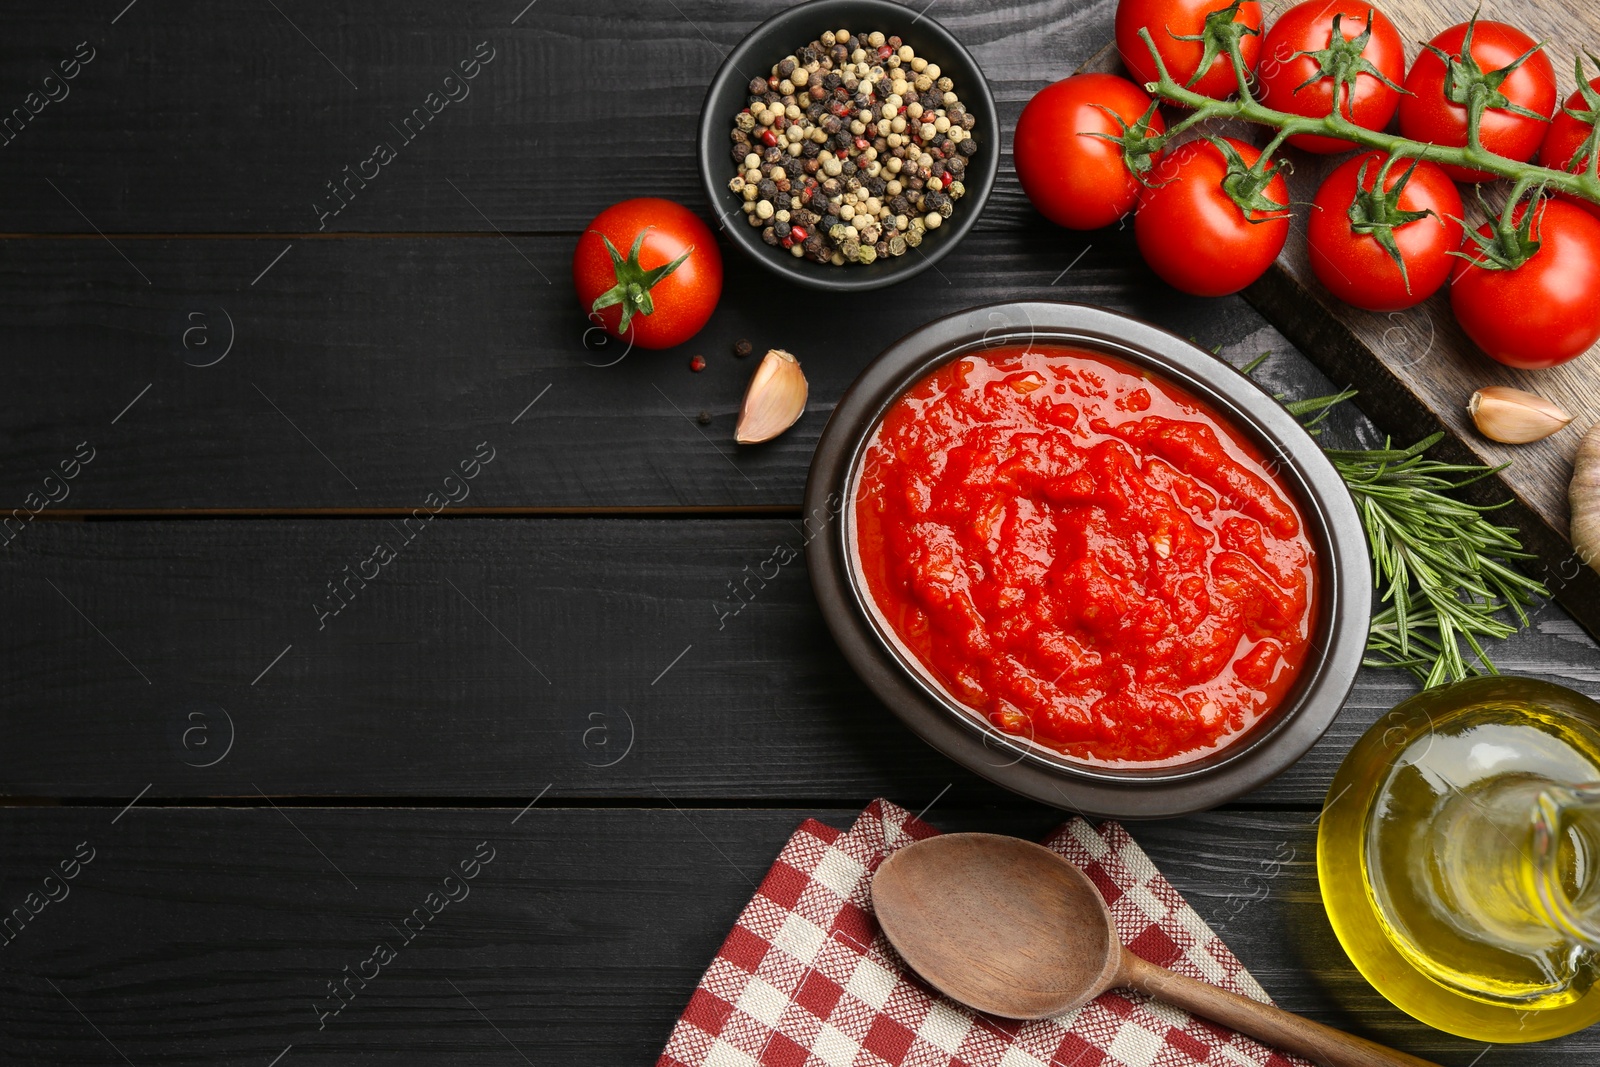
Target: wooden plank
x,y
489,658
208,935
362,371
235,122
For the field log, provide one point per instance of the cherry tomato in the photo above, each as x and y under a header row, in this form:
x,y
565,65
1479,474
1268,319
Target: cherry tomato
x,y
624,287
1544,312
1354,266
1562,141
1427,115
1284,75
1076,179
1167,19
1192,233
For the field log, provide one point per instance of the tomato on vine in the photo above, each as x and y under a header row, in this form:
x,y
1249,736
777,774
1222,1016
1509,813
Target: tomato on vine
x,y
1069,148
1383,232
1323,47
660,304
1216,221
1483,66
1525,294
1570,142
1191,37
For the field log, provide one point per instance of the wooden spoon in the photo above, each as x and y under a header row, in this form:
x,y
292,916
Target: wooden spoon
x,y
1010,928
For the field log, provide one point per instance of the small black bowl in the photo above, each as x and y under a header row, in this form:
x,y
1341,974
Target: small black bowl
x,y
780,36
1343,577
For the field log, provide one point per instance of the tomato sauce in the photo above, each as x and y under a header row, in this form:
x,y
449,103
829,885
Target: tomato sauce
x,y
1085,555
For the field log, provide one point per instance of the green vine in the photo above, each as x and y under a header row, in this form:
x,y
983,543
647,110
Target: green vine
x,y
1583,183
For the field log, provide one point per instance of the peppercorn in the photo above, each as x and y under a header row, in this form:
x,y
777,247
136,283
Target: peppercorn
x,y
704,418
742,348
858,157
967,147
697,364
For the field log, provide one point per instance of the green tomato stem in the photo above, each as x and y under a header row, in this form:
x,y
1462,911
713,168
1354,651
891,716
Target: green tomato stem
x,y
1474,156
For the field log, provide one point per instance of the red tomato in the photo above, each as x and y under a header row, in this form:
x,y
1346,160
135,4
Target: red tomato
x,y
1427,115
1192,233
1075,179
1543,312
1308,27
1167,18
662,308
1562,141
1354,266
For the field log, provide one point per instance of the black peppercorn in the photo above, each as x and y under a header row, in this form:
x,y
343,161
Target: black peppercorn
x,y
967,147
900,205
786,68
772,154
793,166
875,186
739,152
781,229
739,136
930,101
742,348
770,236
758,86
832,81
810,150
767,189
848,168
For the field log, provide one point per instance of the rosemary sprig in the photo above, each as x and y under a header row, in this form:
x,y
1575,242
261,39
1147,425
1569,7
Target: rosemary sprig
x,y
1444,570
1446,573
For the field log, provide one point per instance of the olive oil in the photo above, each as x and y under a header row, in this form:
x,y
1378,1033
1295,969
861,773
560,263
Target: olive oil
x,y
1459,858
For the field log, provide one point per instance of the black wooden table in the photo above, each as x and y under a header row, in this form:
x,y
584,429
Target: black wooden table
x,y
268,761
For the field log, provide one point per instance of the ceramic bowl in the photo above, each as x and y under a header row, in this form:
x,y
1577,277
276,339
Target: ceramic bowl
x,y
781,35
1342,582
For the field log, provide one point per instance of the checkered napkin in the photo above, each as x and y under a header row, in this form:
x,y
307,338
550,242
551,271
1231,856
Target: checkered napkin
x,y
806,979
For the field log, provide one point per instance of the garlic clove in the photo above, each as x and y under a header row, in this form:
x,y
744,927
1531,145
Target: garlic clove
x,y
1514,417
775,399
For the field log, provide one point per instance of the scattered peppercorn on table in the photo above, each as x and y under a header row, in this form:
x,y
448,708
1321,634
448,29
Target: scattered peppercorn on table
x,y
362,592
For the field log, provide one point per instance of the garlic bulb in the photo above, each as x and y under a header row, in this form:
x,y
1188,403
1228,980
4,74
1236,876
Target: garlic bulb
x,y
1584,496
1514,417
775,399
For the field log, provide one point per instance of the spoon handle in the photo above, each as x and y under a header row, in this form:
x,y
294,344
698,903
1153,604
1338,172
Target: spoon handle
x,y
1269,1025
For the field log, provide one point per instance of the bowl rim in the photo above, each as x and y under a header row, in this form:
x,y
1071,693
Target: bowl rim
x,y
712,137
1344,596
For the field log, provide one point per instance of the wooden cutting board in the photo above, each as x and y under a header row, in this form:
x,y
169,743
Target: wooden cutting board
x,y
1416,369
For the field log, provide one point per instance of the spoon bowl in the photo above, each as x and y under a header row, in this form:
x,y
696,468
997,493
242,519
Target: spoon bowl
x,y
1022,933
1010,928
